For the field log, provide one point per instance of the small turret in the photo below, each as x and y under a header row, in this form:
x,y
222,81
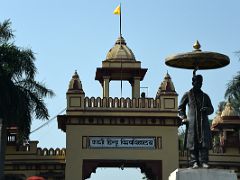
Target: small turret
x,y
75,93
166,87
227,118
229,110
75,84
167,94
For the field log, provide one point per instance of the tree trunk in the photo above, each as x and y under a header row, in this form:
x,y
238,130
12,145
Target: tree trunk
x,y
2,147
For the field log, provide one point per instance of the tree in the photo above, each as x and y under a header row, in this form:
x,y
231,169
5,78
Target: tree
x,y
221,106
21,97
233,90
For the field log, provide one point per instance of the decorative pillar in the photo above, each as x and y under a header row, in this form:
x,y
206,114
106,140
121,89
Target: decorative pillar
x,y
136,87
132,84
106,80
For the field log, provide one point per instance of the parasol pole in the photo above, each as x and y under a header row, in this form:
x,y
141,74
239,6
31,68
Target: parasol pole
x,y
194,71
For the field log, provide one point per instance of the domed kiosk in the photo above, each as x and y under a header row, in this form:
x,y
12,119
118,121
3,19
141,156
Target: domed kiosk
x,y
120,64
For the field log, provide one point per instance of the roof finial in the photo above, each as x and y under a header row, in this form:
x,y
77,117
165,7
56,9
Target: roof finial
x,y
197,46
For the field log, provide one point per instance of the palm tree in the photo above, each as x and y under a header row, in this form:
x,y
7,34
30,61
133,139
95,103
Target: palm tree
x,y
221,106
21,97
233,90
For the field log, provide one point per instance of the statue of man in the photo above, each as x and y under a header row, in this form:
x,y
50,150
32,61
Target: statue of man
x,y
198,134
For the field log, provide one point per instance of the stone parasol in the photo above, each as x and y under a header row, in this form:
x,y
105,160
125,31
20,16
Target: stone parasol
x,y
198,59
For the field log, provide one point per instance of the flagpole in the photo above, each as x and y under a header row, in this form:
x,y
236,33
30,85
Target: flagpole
x,y
121,44
120,20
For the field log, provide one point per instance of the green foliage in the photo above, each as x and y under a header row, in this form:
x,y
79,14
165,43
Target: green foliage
x,y
221,106
232,92
181,135
6,32
21,97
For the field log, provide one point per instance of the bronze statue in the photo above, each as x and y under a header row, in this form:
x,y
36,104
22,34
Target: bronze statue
x,y
198,134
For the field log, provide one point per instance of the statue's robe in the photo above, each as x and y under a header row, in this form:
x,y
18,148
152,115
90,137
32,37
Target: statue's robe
x,y
198,128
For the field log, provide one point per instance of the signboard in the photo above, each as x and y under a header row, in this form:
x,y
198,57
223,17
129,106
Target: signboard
x,y
122,142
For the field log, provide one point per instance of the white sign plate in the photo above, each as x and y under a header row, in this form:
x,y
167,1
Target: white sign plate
x,y
122,142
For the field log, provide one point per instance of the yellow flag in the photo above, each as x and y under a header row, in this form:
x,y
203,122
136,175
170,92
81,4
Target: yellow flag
x,y
117,10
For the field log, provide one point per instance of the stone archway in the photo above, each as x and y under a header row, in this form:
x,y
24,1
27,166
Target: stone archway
x,y
109,132
149,167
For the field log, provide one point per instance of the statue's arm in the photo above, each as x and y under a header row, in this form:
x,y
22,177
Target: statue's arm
x,y
182,106
210,109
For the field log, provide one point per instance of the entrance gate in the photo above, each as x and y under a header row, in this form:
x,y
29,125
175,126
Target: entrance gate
x,y
137,133
111,132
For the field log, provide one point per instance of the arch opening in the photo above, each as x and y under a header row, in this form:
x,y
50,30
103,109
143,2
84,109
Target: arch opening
x,y
149,169
117,174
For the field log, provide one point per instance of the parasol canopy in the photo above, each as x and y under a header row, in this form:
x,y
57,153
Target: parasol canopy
x,y
198,59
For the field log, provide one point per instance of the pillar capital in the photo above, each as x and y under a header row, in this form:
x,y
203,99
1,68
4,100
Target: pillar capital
x,y
106,77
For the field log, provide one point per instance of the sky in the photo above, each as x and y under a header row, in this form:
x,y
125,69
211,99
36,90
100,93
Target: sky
x,y
69,35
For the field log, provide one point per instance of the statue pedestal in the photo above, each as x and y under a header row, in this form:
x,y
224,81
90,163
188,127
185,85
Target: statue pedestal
x,y
202,174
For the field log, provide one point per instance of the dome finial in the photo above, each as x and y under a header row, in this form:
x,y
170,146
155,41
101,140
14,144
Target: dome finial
x,y
121,41
197,46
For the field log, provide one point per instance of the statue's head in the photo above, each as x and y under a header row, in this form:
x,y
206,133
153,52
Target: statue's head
x,y
197,81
